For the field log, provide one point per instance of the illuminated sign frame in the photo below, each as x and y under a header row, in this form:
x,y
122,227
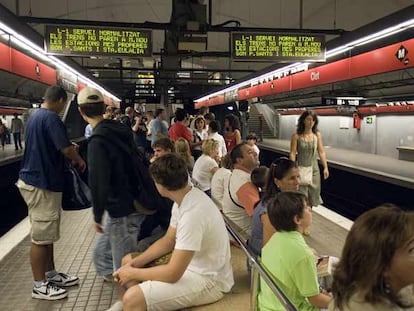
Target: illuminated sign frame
x,y
71,40
271,45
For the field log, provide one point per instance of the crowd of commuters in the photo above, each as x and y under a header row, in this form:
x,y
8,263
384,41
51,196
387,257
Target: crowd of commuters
x,y
178,255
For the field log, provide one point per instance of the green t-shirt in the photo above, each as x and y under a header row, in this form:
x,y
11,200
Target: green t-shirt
x,y
291,263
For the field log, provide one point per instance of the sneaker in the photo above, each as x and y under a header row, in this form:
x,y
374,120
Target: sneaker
x,y
49,291
63,280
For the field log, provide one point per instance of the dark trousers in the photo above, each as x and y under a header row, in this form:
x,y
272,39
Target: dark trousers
x,y
17,140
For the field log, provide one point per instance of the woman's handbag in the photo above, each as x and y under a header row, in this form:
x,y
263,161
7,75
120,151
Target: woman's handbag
x,y
76,193
305,175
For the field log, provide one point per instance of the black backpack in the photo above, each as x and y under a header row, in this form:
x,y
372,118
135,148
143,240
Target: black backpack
x,y
76,194
146,196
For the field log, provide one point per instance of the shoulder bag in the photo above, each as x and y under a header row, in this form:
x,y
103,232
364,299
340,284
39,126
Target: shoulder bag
x,y
76,193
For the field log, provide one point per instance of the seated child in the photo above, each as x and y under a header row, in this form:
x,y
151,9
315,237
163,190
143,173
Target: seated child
x,y
259,177
288,258
199,271
283,176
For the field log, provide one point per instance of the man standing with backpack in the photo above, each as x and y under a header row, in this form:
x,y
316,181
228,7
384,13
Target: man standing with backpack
x,y
110,161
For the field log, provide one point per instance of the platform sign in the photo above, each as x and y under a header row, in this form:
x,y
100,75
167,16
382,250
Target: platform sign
x,y
267,46
91,41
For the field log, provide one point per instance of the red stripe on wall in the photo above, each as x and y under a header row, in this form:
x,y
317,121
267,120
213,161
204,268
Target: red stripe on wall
x,y
5,62
324,74
30,68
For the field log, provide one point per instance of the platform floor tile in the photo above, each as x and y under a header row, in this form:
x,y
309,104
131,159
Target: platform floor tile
x,y
73,255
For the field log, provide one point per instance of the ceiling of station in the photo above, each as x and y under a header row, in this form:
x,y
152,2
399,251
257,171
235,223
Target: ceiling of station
x,y
317,14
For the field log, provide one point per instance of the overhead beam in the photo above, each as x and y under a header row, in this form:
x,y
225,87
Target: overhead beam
x,y
169,26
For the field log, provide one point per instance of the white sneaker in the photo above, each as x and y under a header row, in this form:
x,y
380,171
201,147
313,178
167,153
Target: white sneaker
x,y
117,306
63,280
49,291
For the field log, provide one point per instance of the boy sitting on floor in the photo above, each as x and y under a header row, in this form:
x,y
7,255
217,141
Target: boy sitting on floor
x,y
288,258
199,271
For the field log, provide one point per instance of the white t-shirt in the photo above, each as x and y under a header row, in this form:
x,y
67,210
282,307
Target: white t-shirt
x,y
220,178
235,213
202,171
200,228
222,144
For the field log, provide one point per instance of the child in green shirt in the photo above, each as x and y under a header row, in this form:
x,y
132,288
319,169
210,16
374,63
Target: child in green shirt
x,y
288,258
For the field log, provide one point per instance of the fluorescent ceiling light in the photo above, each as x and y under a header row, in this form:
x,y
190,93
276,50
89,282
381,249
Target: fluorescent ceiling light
x,y
348,98
304,66
25,47
293,67
36,50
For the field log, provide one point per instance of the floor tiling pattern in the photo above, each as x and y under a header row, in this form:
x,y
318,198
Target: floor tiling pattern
x,y
73,254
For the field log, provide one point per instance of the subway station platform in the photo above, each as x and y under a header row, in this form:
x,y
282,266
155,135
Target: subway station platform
x,y
73,254
10,155
382,168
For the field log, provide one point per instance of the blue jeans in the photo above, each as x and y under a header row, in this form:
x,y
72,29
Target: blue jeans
x,y
119,238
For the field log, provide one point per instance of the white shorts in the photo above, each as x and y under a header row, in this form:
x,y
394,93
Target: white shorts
x,y
191,290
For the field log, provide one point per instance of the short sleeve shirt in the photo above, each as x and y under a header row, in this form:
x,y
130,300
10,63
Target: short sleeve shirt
x,y
218,182
43,161
239,189
178,130
290,261
202,171
200,228
158,126
222,144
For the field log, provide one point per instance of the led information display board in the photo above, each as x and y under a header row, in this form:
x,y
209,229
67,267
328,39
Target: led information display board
x,y
83,40
277,46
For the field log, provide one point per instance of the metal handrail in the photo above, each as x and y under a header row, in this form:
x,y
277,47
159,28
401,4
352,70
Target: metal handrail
x,y
256,265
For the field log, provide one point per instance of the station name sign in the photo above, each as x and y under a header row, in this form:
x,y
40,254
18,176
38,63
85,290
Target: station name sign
x,y
90,41
267,46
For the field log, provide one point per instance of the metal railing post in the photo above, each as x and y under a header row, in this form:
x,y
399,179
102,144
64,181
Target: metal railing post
x,y
260,270
254,286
